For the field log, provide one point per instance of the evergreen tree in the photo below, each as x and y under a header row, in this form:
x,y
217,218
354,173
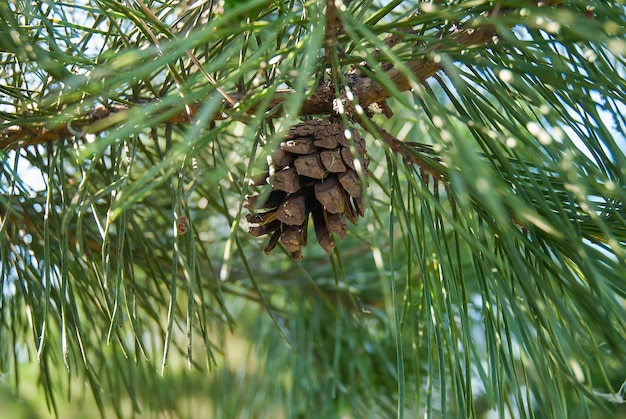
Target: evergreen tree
x,y
435,192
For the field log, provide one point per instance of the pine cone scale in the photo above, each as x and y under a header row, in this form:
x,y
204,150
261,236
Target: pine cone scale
x,y
332,161
330,195
287,180
351,183
299,146
311,166
293,210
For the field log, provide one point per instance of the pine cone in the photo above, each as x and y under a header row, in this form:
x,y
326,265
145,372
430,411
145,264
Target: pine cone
x,y
314,175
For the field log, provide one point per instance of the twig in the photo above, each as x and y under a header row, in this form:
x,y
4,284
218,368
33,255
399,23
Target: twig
x,y
410,152
155,41
192,57
96,120
333,26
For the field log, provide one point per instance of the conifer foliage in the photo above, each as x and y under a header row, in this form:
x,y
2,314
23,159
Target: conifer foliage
x,y
461,164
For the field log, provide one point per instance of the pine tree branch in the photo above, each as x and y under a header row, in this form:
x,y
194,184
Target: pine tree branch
x,y
366,90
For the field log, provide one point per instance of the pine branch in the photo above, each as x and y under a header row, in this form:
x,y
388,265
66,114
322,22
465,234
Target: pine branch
x,y
366,90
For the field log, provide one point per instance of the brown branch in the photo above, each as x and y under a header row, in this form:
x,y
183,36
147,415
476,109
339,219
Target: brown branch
x,y
411,152
333,28
366,90
98,119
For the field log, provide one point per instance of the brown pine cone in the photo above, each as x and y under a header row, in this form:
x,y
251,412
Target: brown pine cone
x,y
314,175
